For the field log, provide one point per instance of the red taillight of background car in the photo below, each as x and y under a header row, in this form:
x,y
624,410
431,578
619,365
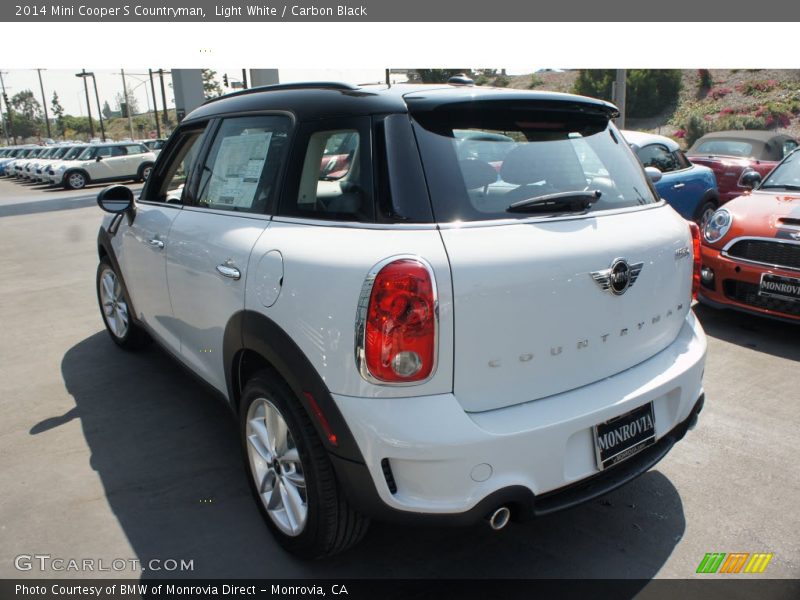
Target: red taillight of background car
x,y
697,261
400,329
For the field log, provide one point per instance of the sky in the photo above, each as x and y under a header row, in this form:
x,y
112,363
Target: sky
x,y
109,84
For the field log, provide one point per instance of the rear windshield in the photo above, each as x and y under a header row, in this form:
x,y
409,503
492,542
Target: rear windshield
x,y
479,162
726,148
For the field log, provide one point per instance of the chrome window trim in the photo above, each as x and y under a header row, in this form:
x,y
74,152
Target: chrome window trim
x,y
746,238
361,322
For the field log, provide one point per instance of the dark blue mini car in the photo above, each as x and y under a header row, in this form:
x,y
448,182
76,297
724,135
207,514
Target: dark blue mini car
x,y
690,189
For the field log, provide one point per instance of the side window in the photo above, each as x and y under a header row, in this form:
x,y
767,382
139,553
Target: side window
x,y
168,182
658,156
103,151
118,151
244,164
683,162
335,181
135,149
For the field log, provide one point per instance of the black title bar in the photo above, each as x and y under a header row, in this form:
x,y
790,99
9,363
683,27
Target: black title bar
x,y
405,11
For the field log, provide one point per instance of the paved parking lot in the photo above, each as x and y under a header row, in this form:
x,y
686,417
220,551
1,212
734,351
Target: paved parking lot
x,y
112,455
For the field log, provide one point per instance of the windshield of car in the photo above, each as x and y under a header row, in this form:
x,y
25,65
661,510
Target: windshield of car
x,y
786,175
726,148
480,162
60,152
74,152
87,153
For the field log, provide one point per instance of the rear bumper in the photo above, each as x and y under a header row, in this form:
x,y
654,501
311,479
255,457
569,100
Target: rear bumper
x,y
735,286
426,459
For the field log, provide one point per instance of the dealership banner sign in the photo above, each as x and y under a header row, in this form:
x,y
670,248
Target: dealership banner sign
x,y
383,11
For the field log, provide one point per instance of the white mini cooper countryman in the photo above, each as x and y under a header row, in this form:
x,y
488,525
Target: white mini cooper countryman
x,y
431,303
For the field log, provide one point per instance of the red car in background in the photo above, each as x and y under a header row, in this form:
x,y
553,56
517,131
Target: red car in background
x,y
751,248
732,155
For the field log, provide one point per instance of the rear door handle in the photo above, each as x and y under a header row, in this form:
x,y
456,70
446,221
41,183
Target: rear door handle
x,y
229,271
678,186
156,243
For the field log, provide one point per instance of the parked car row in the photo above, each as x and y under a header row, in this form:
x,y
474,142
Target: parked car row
x,y
74,166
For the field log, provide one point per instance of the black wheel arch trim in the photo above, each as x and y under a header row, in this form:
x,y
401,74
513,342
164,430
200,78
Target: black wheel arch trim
x,y
253,331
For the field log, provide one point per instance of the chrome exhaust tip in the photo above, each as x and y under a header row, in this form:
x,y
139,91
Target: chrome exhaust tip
x,y
499,518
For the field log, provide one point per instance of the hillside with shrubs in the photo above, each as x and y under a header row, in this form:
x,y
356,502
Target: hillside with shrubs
x,y
686,104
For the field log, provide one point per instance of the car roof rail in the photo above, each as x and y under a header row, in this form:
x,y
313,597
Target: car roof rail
x,y
302,85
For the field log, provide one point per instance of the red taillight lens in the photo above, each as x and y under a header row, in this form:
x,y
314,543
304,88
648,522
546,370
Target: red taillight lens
x,y
400,328
697,260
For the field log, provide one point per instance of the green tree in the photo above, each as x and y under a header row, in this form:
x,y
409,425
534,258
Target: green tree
x,y
58,113
211,86
26,104
437,75
649,91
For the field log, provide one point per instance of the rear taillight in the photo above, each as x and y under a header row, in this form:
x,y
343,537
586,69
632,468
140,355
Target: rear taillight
x,y
397,323
696,255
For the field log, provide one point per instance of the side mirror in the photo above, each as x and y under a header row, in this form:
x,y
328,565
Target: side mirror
x,y
98,159
653,173
116,199
750,179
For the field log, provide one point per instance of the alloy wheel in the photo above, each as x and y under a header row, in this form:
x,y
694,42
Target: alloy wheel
x,y
115,308
276,467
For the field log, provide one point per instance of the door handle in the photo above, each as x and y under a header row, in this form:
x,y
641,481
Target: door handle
x,y
678,186
229,271
156,243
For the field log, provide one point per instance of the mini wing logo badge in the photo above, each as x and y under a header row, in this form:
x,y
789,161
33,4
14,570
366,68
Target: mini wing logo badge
x,y
618,277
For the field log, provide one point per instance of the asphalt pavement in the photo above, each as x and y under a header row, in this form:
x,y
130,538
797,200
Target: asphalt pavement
x,y
106,454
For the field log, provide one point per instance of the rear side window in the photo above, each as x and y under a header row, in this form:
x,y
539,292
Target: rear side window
x,y
479,161
334,180
243,166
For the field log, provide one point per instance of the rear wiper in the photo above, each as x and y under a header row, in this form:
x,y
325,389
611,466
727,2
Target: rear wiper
x,y
577,201
775,186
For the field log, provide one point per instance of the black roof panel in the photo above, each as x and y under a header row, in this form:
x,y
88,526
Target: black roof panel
x,y
317,100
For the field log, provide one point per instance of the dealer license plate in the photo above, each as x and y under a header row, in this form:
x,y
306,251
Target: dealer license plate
x,y
621,437
776,286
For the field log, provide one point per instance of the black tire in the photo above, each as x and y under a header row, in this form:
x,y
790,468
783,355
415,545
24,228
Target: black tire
x,y
704,213
75,180
144,172
332,526
134,337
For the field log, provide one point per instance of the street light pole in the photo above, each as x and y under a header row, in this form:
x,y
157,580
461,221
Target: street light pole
x,y
127,102
44,103
155,103
83,75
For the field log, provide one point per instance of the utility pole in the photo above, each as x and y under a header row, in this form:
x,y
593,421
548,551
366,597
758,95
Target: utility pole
x,y
44,103
619,95
6,124
155,103
100,112
83,75
127,102
164,100
244,79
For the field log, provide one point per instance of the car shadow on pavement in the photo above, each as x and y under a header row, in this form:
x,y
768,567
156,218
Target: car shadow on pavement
x,y
770,336
167,452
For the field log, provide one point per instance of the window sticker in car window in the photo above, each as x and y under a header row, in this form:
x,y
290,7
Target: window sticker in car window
x,y
239,164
